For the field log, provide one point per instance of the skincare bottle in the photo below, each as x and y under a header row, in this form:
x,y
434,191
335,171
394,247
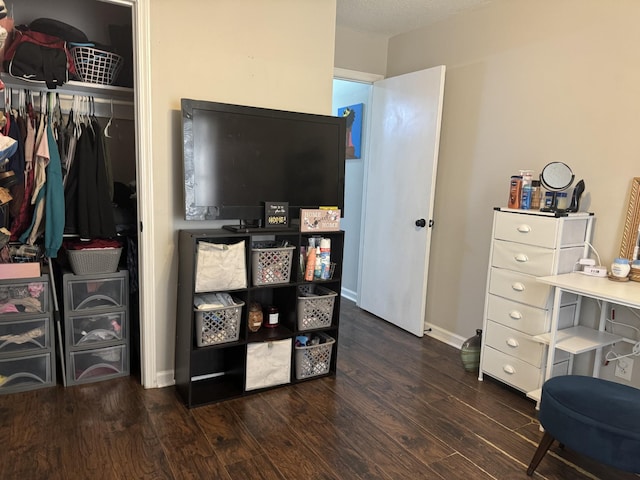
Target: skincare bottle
x,y
318,267
536,195
325,258
515,191
527,178
311,265
620,267
525,204
563,201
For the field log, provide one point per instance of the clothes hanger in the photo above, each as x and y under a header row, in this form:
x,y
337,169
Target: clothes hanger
x,y
106,129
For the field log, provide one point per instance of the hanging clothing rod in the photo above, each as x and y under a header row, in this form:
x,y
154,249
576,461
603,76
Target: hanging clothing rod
x,y
110,101
104,107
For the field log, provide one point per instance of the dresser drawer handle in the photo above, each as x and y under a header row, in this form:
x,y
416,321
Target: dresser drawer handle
x,y
524,228
515,314
518,287
513,343
521,257
509,369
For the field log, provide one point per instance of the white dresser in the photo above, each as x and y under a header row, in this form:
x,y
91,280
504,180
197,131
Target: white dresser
x,y
527,244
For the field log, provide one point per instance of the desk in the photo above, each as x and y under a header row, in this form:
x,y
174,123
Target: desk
x,y
580,339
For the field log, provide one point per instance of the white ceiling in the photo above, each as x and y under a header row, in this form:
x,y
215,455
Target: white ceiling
x,y
391,17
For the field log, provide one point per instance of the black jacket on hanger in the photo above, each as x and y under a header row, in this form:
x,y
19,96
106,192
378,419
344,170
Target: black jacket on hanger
x,y
95,211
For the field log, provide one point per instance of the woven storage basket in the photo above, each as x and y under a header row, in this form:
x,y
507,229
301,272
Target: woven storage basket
x,y
218,325
314,360
96,66
271,265
315,311
93,261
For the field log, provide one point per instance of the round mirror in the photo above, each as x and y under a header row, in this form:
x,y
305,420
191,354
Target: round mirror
x,y
556,176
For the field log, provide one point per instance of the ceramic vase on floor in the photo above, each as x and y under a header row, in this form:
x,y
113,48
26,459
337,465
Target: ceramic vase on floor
x,y
470,352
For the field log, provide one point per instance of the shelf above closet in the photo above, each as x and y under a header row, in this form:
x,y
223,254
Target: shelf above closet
x,y
109,101
72,87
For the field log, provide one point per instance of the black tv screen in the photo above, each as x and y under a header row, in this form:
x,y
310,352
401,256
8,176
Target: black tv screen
x,y
237,157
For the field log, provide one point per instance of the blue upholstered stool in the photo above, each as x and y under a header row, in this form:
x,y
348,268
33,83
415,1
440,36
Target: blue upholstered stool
x,y
594,417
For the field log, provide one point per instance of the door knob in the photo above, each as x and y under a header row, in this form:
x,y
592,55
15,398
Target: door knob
x,y
421,222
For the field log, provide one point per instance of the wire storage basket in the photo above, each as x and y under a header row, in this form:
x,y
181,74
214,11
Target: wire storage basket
x,y
314,360
96,66
315,306
218,325
90,261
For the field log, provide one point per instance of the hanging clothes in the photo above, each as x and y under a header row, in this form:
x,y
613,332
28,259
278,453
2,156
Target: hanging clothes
x,y
95,211
54,204
41,160
22,220
49,193
16,164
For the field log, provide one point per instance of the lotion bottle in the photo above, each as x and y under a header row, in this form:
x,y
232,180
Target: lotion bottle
x,y
318,266
515,191
325,258
311,265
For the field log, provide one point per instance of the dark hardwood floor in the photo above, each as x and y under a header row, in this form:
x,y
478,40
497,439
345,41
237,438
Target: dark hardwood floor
x,y
399,407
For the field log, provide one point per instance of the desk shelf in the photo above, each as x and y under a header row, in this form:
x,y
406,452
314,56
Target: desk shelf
x,y
579,339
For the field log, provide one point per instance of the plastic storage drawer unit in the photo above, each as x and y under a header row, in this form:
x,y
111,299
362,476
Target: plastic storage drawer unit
x,y
95,329
97,364
84,292
26,373
25,335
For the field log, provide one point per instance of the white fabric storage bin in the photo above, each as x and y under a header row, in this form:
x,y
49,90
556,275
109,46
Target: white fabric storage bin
x,y
268,364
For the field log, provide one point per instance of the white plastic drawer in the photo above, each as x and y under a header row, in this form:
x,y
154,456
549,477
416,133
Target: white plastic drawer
x,y
24,297
97,364
25,335
520,287
84,292
268,364
534,260
529,229
515,343
525,318
24,373
84,330
539,230
523,258
511,370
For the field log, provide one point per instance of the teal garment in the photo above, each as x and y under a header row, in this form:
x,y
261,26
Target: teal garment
x,y
24,238
54,204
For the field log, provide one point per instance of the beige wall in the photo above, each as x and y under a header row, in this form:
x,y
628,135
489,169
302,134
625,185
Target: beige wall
x,y
359,51
527,83
275,54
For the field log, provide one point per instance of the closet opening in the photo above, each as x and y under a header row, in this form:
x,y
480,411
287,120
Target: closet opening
x,y
97,118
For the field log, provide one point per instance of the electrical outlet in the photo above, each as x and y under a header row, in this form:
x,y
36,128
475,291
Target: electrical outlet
x,y
624,367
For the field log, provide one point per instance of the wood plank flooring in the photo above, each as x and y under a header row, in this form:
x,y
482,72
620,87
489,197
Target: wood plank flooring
x,y
400,407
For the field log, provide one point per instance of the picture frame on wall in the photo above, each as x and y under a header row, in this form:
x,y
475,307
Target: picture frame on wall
x,y
353,114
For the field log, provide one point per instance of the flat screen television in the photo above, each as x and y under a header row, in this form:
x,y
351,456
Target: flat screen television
x,y
237,157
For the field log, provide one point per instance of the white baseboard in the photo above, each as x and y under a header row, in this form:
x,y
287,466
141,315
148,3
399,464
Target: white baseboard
x,y
443,335
165,379
349,294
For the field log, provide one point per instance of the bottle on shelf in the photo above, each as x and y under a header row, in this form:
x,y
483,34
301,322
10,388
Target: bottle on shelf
x,y
311,265
536,195
527,179
318,267
271,319
325,258
515,191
